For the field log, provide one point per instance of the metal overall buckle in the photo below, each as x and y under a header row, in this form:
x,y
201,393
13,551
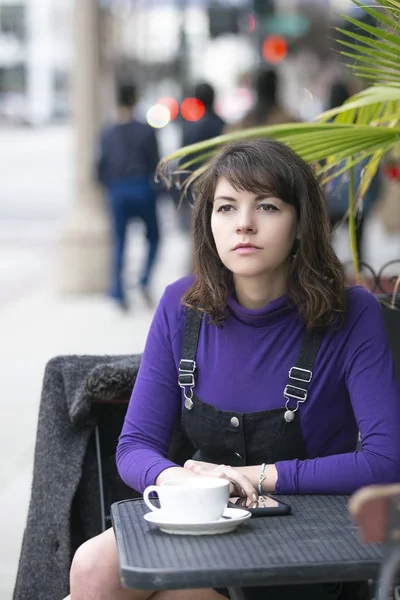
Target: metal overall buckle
x,y
300,395
186,380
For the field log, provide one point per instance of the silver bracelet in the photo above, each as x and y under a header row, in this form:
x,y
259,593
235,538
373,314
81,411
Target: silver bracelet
x,y
261,479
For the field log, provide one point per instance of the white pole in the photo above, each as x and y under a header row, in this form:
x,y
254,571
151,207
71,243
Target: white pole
x,y
85,241
39,62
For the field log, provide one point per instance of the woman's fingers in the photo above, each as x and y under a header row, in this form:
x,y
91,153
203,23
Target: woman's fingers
x,y
196,465
240,482
203,470
193,466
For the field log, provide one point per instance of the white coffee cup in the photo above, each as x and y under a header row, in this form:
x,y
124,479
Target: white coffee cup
x,y
194,500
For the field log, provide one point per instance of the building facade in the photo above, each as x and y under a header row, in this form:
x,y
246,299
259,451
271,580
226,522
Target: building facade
x,y
35,58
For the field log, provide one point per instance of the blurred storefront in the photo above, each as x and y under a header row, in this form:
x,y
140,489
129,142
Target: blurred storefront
x,y
167,45
35,58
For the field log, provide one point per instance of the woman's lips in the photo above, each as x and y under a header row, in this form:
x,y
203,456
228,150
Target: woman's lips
x,y
243,250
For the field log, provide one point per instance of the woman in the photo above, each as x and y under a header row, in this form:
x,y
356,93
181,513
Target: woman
x,y
266,276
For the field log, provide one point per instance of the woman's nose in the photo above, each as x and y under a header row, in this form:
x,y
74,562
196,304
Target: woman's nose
x,y
245,222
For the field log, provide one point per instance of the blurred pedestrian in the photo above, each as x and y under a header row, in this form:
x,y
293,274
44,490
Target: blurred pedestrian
x,y
128,157
267,109
337,189
209,126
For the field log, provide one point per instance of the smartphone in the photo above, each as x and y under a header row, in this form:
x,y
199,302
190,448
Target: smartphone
x,y
266,506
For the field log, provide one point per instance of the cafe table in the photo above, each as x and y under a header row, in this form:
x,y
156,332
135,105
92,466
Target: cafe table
x,y
317,543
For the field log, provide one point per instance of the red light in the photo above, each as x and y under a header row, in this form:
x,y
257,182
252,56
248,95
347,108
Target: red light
x,y
251,23
392,172
171,104
274,49
192,109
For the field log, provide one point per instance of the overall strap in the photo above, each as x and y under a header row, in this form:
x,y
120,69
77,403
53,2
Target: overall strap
x,y
187,365
301,374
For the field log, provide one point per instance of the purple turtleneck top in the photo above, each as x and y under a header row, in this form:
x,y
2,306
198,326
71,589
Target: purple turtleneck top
x,y
244,367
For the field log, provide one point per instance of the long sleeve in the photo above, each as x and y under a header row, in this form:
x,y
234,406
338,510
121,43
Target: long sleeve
x,y
375,398
153,409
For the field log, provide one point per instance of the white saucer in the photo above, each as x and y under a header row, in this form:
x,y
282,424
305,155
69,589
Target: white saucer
x,y
233,518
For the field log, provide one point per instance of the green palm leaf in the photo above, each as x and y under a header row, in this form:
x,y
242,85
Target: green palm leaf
x,y
369,51
390,4
379,44
387,64
384,18
390,39
313,141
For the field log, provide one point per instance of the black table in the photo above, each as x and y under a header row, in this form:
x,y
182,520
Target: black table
x,y
317,543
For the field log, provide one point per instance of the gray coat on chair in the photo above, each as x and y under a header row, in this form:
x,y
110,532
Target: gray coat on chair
x,y
64,506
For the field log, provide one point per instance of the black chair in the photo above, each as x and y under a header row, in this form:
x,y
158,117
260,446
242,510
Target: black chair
x,y
109,420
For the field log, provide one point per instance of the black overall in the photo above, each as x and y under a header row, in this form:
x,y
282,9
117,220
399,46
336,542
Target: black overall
x,y
240,439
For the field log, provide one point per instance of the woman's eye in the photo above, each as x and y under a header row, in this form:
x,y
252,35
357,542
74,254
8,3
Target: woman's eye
x,y
225,208
266,207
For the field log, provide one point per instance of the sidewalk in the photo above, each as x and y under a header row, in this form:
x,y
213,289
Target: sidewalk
x,y
35,328
41,325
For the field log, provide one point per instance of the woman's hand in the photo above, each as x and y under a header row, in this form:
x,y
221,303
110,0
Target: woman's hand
x,y
199,465
240,485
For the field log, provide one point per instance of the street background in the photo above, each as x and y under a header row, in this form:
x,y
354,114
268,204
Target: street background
x,y
38,190
37,323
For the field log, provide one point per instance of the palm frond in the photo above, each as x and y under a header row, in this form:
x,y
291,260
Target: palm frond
x,y
390,39
314,142
379,43
382,75
352,226
366,58
369,172
369,51
385,18
377,94
194,161
391,116
390,4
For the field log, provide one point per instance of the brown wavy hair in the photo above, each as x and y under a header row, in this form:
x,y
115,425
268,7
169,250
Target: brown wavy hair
x,y
315,282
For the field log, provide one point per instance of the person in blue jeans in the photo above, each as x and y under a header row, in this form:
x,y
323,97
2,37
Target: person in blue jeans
x,y
128,157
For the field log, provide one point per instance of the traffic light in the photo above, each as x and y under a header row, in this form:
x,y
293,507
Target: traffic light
x,y
274,49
